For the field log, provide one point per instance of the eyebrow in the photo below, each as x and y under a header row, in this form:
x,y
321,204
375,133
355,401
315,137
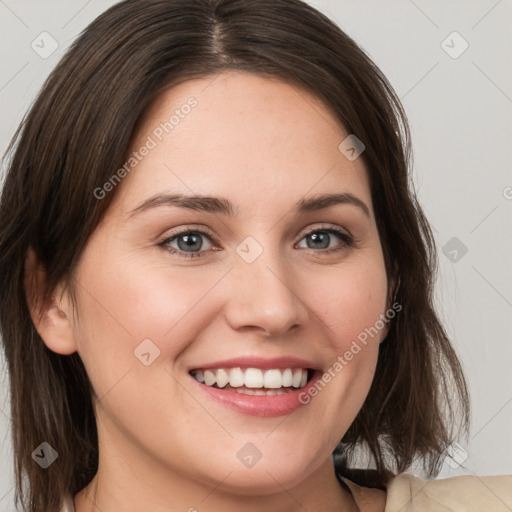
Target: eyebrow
x,y
219,205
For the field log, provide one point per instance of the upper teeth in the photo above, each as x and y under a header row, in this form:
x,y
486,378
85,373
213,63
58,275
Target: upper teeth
x,y
253,377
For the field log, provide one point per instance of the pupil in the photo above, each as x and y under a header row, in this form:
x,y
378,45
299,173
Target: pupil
x,y
318,236
191,242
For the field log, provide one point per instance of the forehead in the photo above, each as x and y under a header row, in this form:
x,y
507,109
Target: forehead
x,y
256,140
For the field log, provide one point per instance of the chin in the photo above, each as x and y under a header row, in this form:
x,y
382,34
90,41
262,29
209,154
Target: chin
x,y
265,476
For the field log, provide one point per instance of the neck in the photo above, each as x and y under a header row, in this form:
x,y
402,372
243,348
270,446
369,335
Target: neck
x,y
121,484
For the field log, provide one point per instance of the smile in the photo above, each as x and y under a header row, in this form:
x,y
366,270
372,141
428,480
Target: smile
x,y
256,386
254,381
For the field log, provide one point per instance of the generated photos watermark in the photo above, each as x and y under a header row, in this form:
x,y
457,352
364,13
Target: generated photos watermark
x,y
355,347
151,142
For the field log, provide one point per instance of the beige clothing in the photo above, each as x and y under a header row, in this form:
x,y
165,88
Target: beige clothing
x,y
407,493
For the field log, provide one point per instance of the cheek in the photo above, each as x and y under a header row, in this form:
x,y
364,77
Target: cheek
x,y
126,303
350,301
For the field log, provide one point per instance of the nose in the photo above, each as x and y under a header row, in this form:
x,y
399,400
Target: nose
x,y
264,296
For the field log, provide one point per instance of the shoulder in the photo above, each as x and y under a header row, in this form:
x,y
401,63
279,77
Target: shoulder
x,y
407,493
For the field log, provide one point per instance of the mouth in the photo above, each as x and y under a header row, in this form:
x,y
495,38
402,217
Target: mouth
x,y
255,381
257,386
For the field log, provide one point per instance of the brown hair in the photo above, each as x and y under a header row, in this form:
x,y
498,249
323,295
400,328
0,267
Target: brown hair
x,y
78,132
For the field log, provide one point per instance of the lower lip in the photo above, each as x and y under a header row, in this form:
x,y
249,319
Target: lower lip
x,y
256,405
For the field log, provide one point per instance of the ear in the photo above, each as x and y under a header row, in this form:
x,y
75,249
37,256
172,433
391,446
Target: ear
x,y
52,318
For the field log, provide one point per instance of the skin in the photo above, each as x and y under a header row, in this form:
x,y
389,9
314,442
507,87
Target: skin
x,y
164,445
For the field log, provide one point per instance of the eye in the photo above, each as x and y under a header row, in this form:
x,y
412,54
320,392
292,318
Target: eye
x,y
320,238
190,245
187,241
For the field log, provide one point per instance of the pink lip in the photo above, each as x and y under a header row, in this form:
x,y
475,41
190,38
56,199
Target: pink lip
x,y
266,406
259,362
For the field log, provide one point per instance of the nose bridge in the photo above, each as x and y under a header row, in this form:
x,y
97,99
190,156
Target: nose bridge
x,y
265,294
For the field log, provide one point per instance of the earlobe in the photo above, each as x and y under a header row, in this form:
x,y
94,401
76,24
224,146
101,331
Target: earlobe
x,y
51,319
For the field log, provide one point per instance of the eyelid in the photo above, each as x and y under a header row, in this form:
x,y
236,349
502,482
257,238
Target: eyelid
x,y
324,226
187,228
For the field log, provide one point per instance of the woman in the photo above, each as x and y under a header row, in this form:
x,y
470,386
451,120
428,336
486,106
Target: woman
x,y
216,280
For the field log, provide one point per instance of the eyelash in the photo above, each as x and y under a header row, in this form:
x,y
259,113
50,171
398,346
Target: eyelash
x,y
347,241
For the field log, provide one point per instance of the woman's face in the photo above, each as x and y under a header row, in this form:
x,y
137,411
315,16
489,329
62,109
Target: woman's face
x,y
260,287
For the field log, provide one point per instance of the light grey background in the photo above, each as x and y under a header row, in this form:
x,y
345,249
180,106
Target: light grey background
x,y
460,111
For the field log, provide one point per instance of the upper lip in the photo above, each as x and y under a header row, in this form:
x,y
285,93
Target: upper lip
x,y
259,362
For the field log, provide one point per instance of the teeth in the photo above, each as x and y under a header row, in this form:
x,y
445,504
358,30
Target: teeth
x,y
297,377
236,377
257,380
222,378
273,379
209,378
253,378
287,378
